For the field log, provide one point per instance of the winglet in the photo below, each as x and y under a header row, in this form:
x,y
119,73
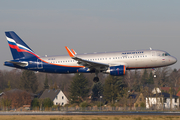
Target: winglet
x,y
71,54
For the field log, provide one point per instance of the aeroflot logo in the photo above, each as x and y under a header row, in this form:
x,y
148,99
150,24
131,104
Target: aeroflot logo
x,y
132,52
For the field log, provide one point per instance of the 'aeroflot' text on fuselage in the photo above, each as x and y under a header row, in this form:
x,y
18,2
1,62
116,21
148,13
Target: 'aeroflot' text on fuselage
x,y
133,52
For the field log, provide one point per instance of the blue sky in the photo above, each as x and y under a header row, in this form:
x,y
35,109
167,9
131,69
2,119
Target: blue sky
x,y
91,26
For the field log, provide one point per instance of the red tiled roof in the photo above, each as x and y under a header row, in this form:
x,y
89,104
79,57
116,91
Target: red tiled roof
x,y
167,88
178,94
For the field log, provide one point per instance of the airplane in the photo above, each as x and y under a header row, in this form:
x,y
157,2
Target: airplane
x,y
113,63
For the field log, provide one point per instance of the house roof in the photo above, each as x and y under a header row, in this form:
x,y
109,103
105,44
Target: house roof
x,y
167,88
50,93
132,97
166,95
178,94
18,90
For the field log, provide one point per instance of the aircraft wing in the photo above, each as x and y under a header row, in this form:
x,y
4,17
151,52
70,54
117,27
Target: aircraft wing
x,y
88,64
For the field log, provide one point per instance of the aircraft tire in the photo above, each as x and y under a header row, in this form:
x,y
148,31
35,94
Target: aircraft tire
x,y
96,79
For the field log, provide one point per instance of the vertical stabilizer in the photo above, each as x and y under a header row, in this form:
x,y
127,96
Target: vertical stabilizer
x,y
18,48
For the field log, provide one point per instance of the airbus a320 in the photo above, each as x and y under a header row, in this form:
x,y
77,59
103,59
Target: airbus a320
x,y
113,63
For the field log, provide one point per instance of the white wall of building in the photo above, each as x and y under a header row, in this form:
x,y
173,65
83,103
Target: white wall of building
x,y
165,103
154,102
60,99
175,103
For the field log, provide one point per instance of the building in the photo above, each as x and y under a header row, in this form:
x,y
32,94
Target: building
x,y
16,98
165,89
178,94
135,99
162,100
57,96
139,101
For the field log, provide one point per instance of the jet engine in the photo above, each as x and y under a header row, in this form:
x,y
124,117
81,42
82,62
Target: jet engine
x,y
117,70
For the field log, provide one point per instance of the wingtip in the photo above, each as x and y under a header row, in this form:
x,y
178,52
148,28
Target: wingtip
x,y
73,52
69,52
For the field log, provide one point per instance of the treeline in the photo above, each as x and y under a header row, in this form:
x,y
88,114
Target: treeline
x,y
80,87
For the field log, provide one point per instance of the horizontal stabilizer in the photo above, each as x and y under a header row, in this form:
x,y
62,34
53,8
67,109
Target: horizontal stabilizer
x,y
22,64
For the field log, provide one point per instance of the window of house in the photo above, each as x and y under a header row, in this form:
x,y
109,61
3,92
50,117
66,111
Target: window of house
x,y
164,100
62,97
62,103
175,100
56,97
140,99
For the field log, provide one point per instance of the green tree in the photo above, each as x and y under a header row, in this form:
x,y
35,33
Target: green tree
x,y
29,81
78,88
112,87
137,82
150,79
35,102
2,82
46,85
84,104
9,85
97,91
5,102
47,102
144,78
142,104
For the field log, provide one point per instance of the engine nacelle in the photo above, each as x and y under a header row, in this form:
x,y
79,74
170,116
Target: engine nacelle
x,y
83,70
117,70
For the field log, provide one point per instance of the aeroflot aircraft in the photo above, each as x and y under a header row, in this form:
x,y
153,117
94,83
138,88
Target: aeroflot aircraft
x,y
114,63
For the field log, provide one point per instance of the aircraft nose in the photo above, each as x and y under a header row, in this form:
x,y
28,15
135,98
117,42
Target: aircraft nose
x,y
174,60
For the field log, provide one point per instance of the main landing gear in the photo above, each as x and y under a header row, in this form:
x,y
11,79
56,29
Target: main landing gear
x,y
96,78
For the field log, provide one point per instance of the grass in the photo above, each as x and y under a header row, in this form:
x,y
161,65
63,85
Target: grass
x,y
87,117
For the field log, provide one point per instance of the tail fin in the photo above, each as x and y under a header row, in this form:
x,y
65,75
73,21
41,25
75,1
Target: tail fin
x,y
18,48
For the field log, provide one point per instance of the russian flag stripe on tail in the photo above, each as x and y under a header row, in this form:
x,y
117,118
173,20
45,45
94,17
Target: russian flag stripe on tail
x,y
18,48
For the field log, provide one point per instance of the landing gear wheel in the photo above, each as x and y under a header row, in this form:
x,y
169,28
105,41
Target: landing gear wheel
x,y
96,79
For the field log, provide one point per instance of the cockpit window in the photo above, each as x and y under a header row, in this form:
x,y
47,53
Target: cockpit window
x,y
165,54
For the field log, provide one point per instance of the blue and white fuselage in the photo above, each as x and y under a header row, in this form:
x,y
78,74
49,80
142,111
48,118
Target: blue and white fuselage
x,y
114,63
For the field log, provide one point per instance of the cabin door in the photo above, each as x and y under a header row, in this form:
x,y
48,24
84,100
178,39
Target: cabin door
x,y
153,56
39,64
